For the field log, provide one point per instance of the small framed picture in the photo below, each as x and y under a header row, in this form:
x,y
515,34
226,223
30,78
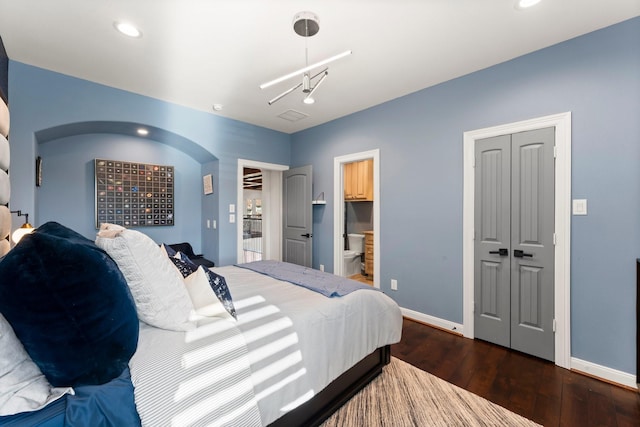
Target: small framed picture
x,y
207,182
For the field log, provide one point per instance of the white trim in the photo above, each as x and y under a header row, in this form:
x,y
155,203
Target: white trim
x,y
431,320
603,372
275,210
338,209
562,267
578,365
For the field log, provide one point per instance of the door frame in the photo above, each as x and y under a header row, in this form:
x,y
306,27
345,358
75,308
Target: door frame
x,y
562,255
272,228
338,209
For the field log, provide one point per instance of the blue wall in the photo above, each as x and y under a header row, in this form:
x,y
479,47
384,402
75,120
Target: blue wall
x,y
597,78
198,143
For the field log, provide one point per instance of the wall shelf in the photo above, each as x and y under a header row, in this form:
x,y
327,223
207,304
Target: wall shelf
x,y
319,200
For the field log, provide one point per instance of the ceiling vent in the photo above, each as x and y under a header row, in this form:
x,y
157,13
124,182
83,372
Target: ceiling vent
x,y
293,115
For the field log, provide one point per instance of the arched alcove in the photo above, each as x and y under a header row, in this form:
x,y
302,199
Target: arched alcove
x,y
67,193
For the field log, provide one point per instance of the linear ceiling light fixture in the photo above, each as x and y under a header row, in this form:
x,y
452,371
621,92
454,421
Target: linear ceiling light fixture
x,y
305,24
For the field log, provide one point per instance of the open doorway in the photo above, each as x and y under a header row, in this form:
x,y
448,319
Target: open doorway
x,y
259,200
252,180
341,218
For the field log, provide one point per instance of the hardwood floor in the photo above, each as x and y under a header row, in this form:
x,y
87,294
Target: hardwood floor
x,y
526,385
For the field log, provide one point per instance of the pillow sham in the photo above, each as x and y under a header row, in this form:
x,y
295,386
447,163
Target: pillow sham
x,y
69,305
23,387
168,249
157,287
185,258
184,268
210,294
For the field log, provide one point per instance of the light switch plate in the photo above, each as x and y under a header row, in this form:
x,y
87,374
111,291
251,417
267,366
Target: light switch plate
x,y
232,208
579,206
232,218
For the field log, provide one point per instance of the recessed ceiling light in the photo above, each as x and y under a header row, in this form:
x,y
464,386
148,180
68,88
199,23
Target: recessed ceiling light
x,y
127,29
142,132
524,4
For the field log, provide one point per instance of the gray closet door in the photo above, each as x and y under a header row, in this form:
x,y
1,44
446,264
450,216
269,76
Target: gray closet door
x,y
492,274
514,288
297,216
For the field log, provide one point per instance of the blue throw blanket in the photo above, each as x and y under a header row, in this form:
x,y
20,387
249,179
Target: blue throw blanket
x,y
327,284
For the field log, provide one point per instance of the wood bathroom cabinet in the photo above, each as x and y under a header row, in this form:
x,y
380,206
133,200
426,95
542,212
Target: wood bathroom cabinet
x,y
368,253
358,181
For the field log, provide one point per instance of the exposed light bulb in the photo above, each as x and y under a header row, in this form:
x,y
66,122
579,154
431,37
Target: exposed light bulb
x,y
25,229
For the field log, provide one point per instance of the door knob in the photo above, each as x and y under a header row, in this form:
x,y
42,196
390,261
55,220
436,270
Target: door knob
x,y
306,235
501,252
519,254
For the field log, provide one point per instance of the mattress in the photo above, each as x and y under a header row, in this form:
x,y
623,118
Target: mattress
x,y
287,344
299,340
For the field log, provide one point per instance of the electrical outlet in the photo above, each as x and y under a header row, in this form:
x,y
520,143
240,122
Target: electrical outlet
x,y
394,285
321,267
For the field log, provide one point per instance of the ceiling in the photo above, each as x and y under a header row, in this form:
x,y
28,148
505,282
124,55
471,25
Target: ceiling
x,y
198,53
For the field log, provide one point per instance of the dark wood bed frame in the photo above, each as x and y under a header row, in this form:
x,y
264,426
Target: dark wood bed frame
x,y
313,412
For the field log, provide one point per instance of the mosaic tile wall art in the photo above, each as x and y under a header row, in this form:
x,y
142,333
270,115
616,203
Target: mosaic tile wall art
x,y
134,194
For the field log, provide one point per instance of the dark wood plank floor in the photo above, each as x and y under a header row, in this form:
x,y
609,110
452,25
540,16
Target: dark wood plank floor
x,y
526,385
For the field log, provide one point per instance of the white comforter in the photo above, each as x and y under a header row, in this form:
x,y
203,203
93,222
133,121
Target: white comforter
x,y
287,345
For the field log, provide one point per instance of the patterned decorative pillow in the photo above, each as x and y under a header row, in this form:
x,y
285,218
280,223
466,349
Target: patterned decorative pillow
x,y
168,249
210,294
184,268
220,288
184,258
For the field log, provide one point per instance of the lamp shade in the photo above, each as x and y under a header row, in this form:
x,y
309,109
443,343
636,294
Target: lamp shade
x,y
26,228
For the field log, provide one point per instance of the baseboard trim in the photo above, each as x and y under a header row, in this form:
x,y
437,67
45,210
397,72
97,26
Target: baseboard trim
x,y
448,326
590,369
604,373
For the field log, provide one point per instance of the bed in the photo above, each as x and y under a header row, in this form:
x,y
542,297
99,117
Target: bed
x,y
274,348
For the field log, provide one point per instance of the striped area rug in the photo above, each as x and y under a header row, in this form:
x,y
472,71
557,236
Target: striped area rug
x,y
405,396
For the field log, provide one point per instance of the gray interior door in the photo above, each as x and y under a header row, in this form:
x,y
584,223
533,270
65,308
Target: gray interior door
x,y
514,253
297,216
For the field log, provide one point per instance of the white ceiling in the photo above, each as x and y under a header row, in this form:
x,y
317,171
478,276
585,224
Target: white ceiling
x,y
200,52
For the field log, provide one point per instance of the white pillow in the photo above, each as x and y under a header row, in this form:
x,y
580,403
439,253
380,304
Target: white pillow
x,y
23,387
5,188
204,300
5,222
157,287
4,119
5,153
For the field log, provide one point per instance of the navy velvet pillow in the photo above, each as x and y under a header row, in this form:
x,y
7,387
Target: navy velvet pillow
x,y
69,305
